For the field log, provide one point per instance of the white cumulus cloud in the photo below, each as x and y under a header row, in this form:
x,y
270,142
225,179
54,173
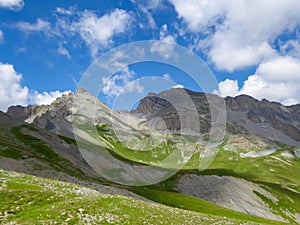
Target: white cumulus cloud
x,y
276,80
178,86
198,15
13,93
12,4
238,33
227,88
45,98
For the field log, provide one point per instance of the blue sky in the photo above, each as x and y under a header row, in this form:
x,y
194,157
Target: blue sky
x,y
252,47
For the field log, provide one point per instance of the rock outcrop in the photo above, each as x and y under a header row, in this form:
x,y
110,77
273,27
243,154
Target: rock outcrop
x,y
271,120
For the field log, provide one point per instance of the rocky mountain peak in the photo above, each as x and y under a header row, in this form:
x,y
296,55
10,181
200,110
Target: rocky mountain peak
x,y
172,98
29,113
81,90
271,120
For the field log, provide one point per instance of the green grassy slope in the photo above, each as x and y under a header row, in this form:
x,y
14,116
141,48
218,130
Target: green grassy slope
x,y
275,172
20,144
30,200
273,168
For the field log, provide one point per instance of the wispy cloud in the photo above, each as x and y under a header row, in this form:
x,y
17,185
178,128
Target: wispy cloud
x,y
120,82
99,31
165,36
167,76
147,9
39,26
63,51
70,11
96,31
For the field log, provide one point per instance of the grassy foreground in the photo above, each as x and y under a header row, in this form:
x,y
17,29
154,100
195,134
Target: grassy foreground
x,y
30,200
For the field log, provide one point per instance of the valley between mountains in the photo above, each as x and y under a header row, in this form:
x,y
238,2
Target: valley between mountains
x,y
52,170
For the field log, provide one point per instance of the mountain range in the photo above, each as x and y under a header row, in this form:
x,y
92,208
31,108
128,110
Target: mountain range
x,y
252,178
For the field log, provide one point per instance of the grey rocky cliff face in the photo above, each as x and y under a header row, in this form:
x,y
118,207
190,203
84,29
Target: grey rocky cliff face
x,y
243,113
22,112
178,107
49,117
283,118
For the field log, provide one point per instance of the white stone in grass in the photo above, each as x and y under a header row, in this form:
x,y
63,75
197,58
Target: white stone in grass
x,y
287,155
